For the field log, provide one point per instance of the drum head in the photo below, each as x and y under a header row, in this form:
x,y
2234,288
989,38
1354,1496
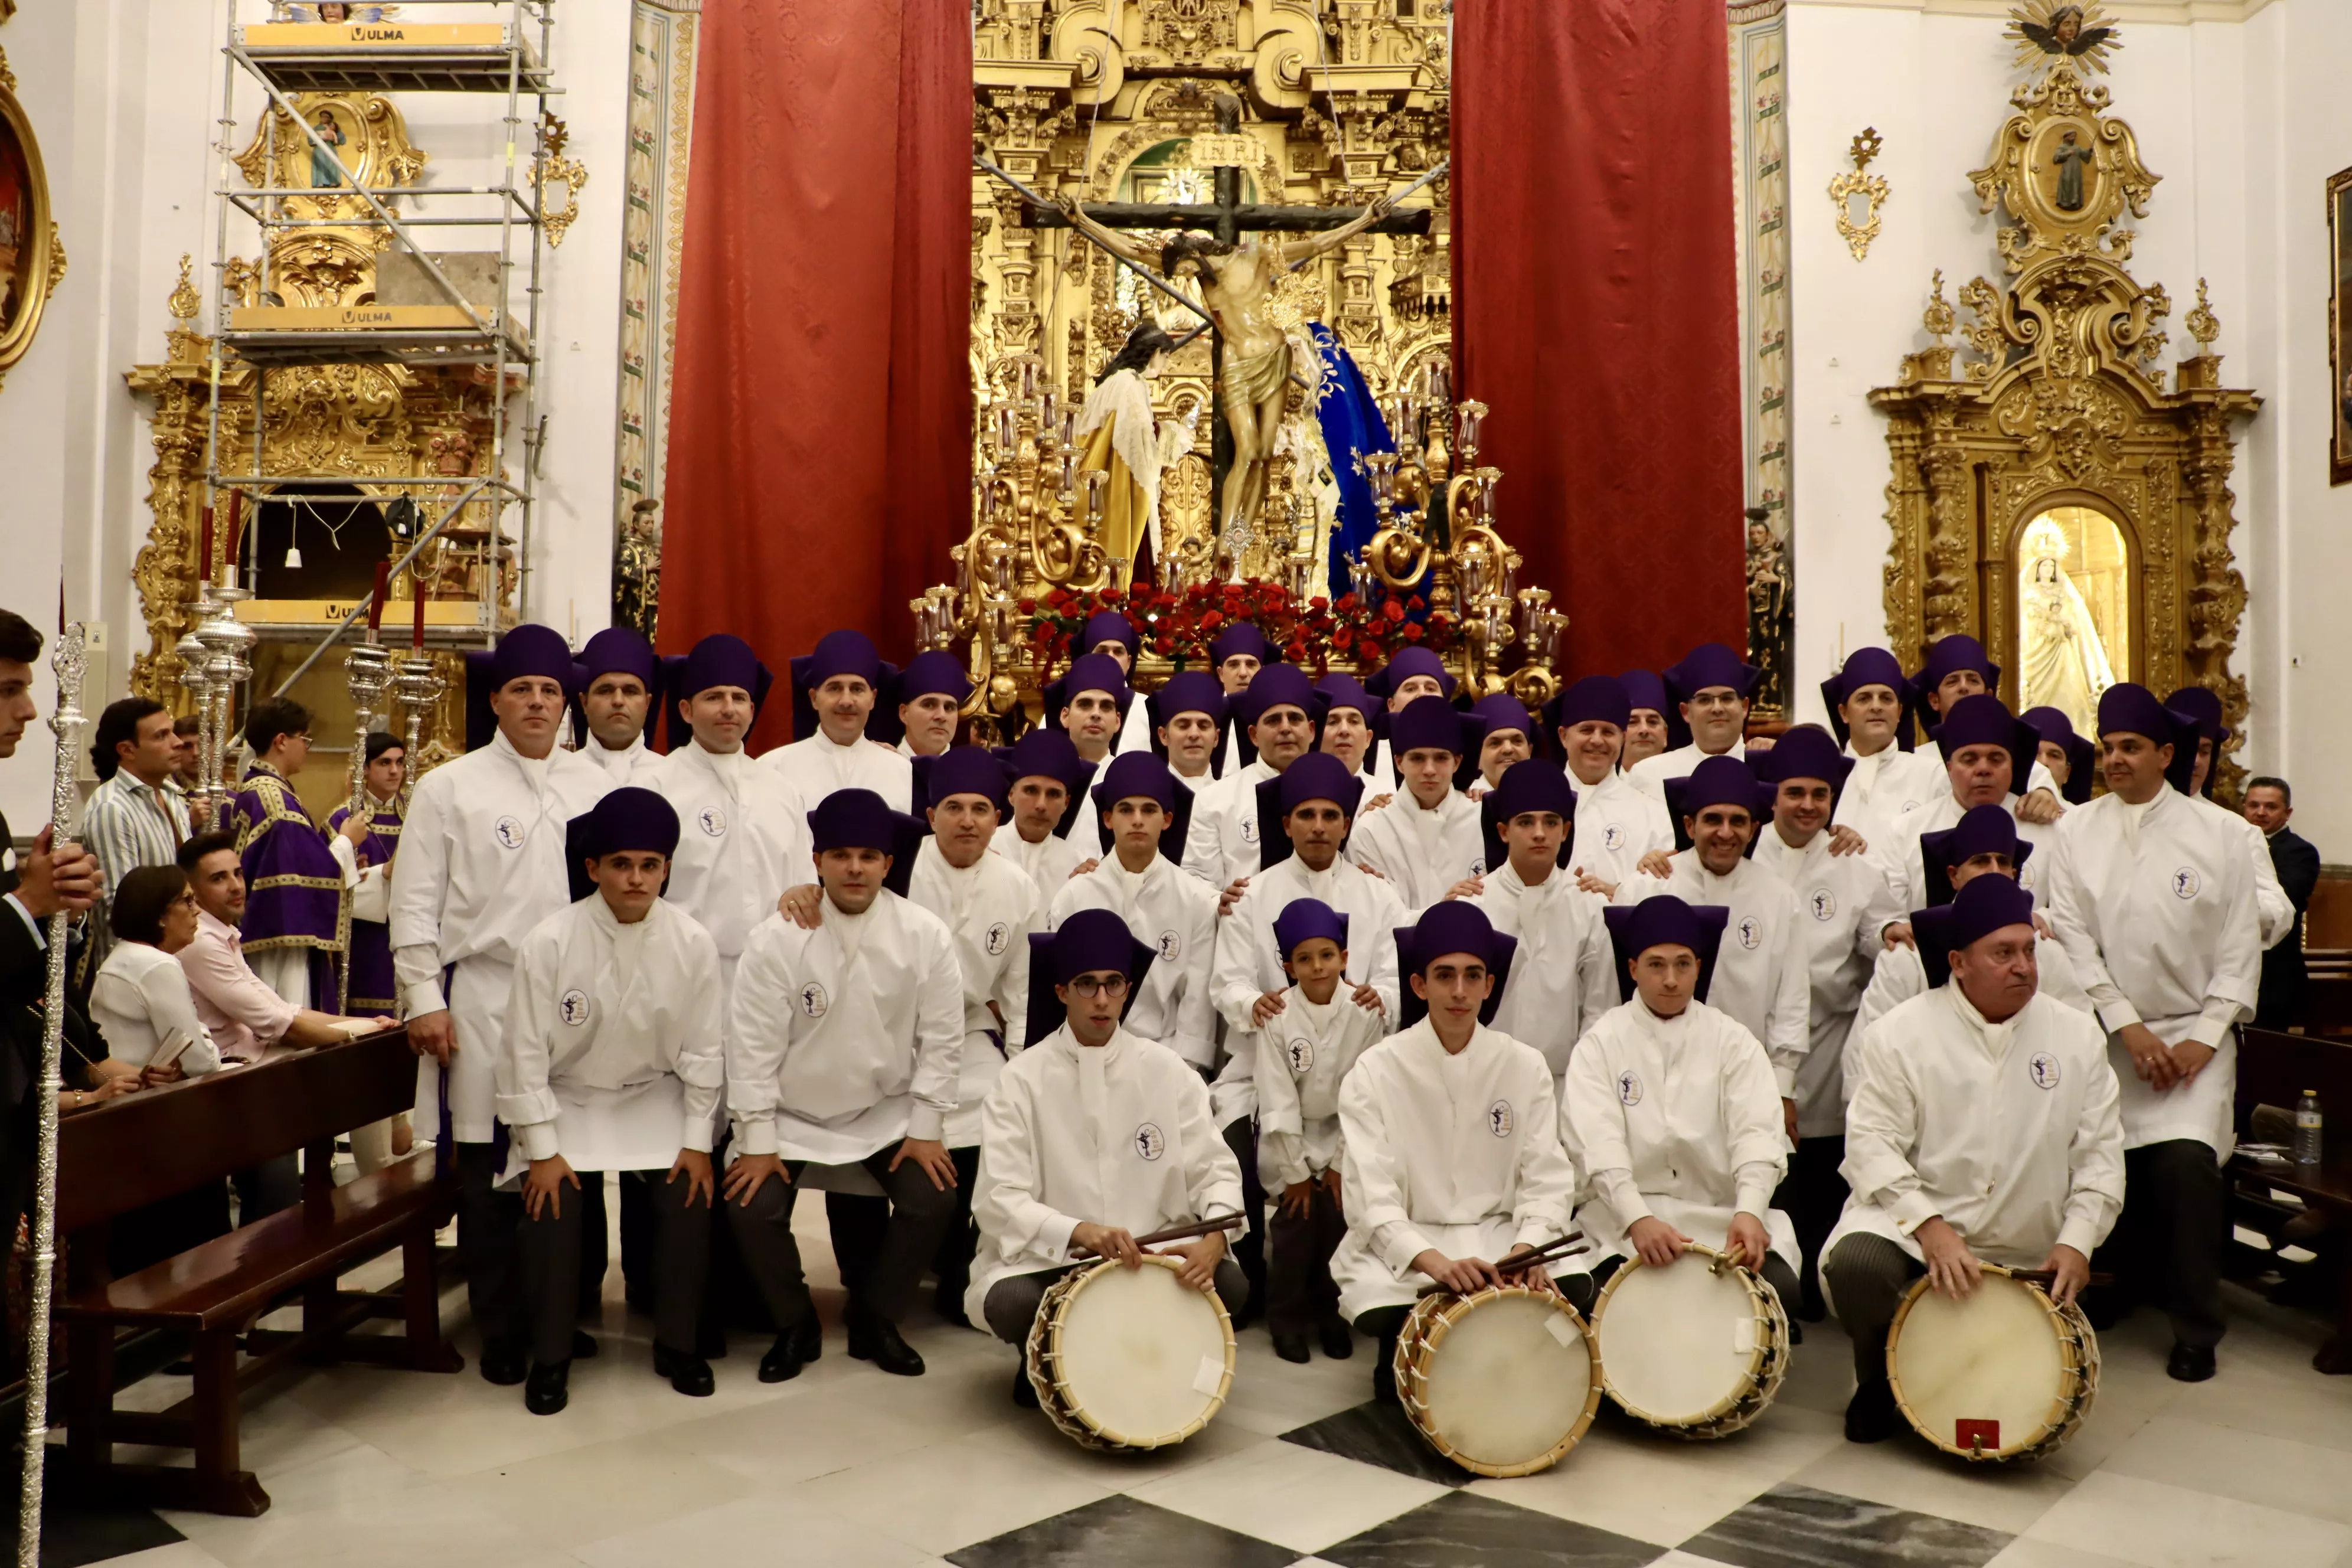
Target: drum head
x,y
1990,1367
1509,1381
1678,1344
1141,1357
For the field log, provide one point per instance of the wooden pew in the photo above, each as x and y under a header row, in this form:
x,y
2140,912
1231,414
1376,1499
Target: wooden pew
x,y
142,1147
2274,1070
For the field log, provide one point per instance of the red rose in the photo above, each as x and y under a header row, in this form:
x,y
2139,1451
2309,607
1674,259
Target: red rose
x,y
1296,653
1163,645
1412,632
1342,637
1347,603
1393,610
1211,620
1112,596
1319,603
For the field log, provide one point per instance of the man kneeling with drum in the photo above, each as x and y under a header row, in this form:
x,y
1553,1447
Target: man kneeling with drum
x,y
1450,1136
1092,1137
1983,1127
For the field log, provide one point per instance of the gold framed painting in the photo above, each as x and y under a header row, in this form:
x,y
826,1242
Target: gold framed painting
x,y
2339,328
31,258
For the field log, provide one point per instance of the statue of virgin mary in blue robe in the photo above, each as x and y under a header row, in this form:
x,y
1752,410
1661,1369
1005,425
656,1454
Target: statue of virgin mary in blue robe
x,y
1352,425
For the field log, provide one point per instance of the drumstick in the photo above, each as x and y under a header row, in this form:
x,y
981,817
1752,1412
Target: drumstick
x,y
1549,1252
2047,1277
1182,1232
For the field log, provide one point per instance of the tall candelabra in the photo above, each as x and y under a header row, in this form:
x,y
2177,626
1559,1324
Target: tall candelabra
x,y
368,670
418,688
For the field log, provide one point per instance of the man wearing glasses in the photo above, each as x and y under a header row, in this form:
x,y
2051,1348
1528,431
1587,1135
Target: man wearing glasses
x,y
1710,688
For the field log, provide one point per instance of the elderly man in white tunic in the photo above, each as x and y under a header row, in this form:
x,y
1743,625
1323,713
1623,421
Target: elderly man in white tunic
x,y
2155,901
743,835
1426,842
1616,824
834,686
1983,1129
1564,978
1671,1112
845,1046
1450,1161
482,862
1092,1137
610,1061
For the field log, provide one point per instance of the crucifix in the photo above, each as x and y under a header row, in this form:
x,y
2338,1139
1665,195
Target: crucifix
x,y
1251,354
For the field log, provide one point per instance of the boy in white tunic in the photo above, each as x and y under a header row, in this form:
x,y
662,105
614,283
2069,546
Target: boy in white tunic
x,y
1510,735
1089,703
482,862
1983,1128
744,838
1428,843
1670,1111
1092,1137
1709,691
1143,814
1983,747
1847,902
845,1045
1760,976
2155,901
1869,702
1616,822
1563,979
610,1061
1304,1054
1351,719
1449,1153
1280,714
1049,779
929,698
616,675
835,688
1112,634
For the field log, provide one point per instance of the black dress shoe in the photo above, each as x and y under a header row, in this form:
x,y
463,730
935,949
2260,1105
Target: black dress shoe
x,y
1870,1414
1796,1332
1338,1340
1384,1389
2189,1363
783,1361
1024,1392
544,1394
1253,1309
1291,1346
689,1374
876,1339
583,1345
504,1367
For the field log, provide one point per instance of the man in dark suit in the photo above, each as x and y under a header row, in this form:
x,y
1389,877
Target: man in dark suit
x,y
33,886
2269,803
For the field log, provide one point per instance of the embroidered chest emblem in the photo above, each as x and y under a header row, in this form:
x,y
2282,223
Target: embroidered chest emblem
x,y
1477,866
2044,1068
1751,933
575,1006
1499,1119
813,1000
1170,945
1910,805
999,935
1149,1141
1301,1052
712,821
1612,837
510,832
1824,904
2185,883
1628,1088
1249,830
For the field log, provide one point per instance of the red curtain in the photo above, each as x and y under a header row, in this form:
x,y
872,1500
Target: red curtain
x,y
818,468
1596,312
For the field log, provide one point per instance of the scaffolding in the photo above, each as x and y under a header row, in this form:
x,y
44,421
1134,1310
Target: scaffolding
x,y
490,329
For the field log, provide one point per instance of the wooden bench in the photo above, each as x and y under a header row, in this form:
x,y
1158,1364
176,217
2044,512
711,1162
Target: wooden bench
x,y
143,1147
2274,1070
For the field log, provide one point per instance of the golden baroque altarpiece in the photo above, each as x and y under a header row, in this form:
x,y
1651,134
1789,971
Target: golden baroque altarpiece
x,y
2056,401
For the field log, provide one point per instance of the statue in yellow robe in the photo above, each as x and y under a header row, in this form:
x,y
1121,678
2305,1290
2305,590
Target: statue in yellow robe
x,y
1120,435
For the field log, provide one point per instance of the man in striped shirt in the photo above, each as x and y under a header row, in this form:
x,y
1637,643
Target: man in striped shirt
x,y
138,816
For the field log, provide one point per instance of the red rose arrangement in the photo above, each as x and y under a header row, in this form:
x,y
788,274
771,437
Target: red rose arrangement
x,y
1315,634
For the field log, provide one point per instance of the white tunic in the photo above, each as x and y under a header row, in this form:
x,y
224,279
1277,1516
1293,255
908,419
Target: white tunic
x,y
990,908
1421,853
743,839
1845,903
1760,977
1906,867
632,765
2274,910
1677,1119
1564,975
1460,1154
2156,906
845,1040
2008,1130
611,1055
481,864
1900,976
1887,786
1046,863
1176,916
1222,844
1616,825
815,767
1249,960
1117,1134
1651,774
1304,1054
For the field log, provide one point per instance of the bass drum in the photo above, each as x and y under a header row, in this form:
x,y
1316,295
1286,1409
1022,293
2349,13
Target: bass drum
x,y
1129,1358
1502,1382
2006,1374
1697,1349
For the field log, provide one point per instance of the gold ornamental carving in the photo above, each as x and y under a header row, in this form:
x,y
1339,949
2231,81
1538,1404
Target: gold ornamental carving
x,y
1858,195
2055,408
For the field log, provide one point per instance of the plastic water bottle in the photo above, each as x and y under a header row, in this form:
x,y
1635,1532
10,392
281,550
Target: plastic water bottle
x,y
2306,1129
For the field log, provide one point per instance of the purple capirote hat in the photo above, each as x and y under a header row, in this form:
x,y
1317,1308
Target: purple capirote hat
x,y
1108,625
1985,829
1530,783
2127,708
1303,920
1805,752
1660,922
964,770
1089,942
1241,638
1868,667
1454,926
1603,698
625,819
1645,688
1986,905
843,652
1433,723
1408,663
1717,781
1985,720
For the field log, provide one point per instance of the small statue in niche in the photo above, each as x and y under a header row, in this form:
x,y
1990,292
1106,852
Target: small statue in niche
x,y
2071,158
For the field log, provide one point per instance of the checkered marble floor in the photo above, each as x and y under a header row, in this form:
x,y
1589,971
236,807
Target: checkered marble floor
x,y
848,1467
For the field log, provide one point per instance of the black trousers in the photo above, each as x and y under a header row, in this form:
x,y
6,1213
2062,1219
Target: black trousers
x,y
1300,1294
1869,1275
2167,1247
1812,1196
552,1246
1249,1249
882,1273
488,1221
264,1189
1012,1304
960,1240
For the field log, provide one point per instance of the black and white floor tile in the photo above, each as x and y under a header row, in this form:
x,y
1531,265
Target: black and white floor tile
x,y
845,1468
